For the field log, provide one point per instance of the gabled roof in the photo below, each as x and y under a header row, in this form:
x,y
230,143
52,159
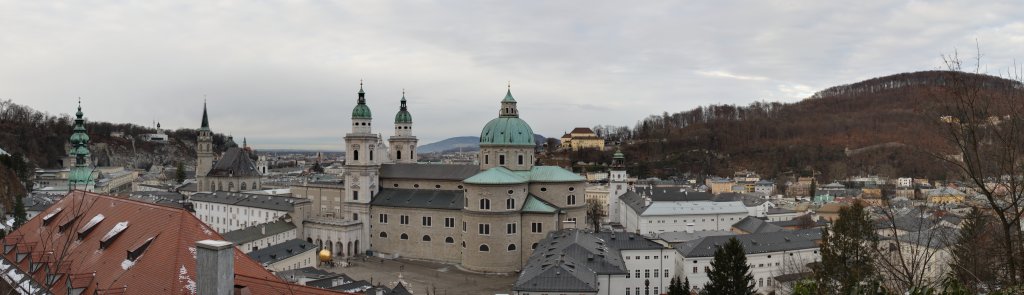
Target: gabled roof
x,y
282,251
453,172
533,204
164,239
582,130
258,231
754,243
270,202
496,175
752,224
570,260
419,198
235,162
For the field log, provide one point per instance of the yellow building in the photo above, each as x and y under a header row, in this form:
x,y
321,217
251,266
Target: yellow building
x,y
582,138
946,195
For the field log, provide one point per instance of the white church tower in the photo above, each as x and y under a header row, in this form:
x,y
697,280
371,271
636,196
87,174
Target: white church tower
x,y
403,143
362,166
617,185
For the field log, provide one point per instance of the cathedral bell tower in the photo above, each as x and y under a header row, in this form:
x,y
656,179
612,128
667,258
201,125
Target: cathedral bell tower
x,y
80,176
362,166
204,152
403,143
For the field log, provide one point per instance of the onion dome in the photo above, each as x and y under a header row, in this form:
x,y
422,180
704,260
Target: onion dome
x,y
507,128
403,115
361,111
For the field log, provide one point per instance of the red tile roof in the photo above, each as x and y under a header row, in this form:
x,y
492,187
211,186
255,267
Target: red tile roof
x,y
582,130
166,266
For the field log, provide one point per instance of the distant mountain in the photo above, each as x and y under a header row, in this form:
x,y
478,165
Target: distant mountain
x,y
466,143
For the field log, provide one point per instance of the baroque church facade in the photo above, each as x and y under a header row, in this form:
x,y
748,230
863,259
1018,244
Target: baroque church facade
x,y
485,218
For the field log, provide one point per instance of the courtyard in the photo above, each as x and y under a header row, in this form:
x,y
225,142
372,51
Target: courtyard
x,y
426,277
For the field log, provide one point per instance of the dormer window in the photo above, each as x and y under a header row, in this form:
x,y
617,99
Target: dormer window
x,y
113,234
85,230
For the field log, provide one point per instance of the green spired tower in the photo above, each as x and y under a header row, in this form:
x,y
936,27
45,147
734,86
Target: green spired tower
x,y
80,177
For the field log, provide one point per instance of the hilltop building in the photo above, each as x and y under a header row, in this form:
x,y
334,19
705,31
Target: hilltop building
x,y
582,138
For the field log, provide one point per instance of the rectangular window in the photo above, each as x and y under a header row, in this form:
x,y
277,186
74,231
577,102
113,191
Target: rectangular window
x,y
463,226
501,159
384,218
655,274
485,229
449,222
355,195
537,227
426,221
520,159
510,228
666,272
647,273
638,273
403,219
487,159
627,288
694,269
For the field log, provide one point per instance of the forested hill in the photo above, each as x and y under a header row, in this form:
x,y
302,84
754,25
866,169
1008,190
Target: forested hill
x,y
870,127
41,137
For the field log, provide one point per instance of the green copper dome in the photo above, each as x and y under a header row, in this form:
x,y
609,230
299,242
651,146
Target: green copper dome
x,y
508,128
618,155
361,111
403,115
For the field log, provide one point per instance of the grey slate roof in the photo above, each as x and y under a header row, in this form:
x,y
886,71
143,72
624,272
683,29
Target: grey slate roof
x,y
775,210
752,224
674,194
754,243
795,222
676,237
331,281
270,202
419,198
259,231
454,172
938,238
170,199
570,260
234,162
281,251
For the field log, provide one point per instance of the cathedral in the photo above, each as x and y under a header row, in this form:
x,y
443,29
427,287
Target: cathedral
x,y
235,171
484,218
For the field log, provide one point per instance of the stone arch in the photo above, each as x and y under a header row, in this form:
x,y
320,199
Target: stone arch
x,y
231,186
330,246
310,240
243,187
398,154
356,249
349,248
339,249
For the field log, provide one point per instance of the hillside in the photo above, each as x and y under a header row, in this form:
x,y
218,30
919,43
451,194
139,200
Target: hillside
x,y
877,126
42,137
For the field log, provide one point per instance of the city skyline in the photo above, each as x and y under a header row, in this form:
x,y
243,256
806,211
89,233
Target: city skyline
x,y
286,75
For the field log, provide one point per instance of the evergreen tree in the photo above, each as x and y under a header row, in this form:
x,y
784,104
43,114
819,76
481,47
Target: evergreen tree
x,y
180,174
730,273
972,258
20,216
686,286
846,245
675,287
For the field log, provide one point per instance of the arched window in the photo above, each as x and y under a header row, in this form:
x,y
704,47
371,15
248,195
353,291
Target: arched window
x,y
399,154
484,248
571,200
383,235
231,186
404,236
426,238
510,204
355,155
254,186
511,247
243,186
449,240
534,246
485,204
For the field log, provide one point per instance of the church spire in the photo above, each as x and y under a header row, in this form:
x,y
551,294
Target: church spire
x,y
206,121
508,105
403,115
81,175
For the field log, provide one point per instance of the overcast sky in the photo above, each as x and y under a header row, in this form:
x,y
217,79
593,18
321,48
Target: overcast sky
x,y
285,74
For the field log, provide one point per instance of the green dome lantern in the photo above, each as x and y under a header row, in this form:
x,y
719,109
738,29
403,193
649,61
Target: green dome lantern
x,y
403,115
361,111
507,128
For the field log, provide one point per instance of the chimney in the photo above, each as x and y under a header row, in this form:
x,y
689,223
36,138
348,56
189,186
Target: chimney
x,y
215,267
380,291
689,228
647,201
